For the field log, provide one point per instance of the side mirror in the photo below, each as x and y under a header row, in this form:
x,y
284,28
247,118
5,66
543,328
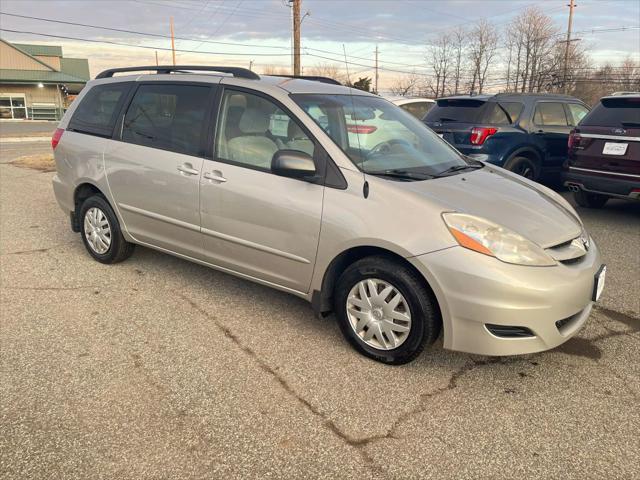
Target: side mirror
x,y
293,164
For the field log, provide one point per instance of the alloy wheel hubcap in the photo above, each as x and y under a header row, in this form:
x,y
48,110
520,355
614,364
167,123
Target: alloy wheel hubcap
x,y
97,230
378,314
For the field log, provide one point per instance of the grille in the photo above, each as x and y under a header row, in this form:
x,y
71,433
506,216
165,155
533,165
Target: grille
x,y
568,253
508,331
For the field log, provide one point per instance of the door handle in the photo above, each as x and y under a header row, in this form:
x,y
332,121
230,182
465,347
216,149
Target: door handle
x,y
215,176
187,169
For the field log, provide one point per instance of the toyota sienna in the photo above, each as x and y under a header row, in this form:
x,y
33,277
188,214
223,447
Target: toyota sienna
x,y
271,179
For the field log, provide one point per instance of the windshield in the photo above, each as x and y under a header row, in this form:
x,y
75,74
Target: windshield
x,y
380,137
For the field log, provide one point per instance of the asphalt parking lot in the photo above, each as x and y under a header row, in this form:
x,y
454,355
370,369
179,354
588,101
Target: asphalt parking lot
x,y
159,368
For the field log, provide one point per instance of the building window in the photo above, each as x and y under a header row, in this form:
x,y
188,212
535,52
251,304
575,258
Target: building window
x,y
13,106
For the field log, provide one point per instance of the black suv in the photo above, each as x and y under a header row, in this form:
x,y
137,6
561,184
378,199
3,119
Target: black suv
x,y
524,133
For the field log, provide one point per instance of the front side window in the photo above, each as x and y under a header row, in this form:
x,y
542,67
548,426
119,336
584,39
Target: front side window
x,y
168,117
550,114
378,136
99,108
251,129
578,112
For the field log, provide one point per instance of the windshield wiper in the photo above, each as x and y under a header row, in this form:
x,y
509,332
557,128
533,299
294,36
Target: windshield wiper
x,y
630,124
404,174
458,168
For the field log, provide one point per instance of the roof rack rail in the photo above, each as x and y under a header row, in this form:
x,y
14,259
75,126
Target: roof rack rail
x,y
313,78
235,71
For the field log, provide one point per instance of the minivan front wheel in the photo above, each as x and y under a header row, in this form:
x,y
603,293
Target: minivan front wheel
x,y
385,311
101,232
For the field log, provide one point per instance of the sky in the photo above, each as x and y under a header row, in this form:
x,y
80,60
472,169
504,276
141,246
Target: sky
x,y
258,32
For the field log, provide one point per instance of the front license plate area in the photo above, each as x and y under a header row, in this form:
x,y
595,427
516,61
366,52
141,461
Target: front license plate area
x,y
598,285
611,148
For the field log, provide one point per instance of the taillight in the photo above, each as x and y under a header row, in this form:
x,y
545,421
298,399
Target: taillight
x,y
55,139
480,134
364,129
574,140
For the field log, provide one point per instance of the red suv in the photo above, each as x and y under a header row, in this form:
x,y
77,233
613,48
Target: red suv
x,y
604,152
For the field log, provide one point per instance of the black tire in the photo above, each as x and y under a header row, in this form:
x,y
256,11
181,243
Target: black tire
x,y
590,200
119,249
524,167
425,316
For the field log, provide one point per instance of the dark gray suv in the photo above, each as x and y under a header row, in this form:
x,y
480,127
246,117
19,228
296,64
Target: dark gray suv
x,y
524,133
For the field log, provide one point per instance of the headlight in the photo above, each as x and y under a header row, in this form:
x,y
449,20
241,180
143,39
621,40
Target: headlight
x,y
483,236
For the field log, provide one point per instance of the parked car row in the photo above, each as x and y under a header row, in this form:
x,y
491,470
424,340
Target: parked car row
x,y
596,153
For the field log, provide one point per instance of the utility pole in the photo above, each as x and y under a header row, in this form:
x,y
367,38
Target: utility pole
x,y
296,37
566,49
173,43
376,88
250,64
157,58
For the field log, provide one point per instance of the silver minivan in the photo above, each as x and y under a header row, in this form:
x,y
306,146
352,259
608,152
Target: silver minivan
x,y
274,179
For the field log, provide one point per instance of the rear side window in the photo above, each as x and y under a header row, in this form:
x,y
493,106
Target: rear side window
x,y
502,113
614,112
455,110
417,109
98,110
577,112
168,117
550,114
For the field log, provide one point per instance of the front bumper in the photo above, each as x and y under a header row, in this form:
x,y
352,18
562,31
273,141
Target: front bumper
x,y
474,290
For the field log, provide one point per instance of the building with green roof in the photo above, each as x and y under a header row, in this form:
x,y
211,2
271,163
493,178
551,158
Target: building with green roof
x,y
37,81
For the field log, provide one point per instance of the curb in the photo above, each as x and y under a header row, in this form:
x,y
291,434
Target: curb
x,y
24,139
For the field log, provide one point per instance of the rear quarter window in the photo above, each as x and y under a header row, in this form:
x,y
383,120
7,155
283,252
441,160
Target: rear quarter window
x,y
98,110
502,113
614,112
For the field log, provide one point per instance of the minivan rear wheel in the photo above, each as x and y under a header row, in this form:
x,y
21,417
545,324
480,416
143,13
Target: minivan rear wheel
x,y
101,232
590,200
385,310
523,166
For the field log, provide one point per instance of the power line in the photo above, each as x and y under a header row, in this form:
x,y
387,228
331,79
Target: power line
x,y
110,42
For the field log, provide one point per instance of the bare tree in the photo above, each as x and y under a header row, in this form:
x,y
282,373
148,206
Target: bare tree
x,y
328,70
275,70
483,39
439,59
532,41
406,85
629,75
458,40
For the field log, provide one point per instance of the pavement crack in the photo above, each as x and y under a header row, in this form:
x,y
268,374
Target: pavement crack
x,y
36,250
325,420
83,287
452,384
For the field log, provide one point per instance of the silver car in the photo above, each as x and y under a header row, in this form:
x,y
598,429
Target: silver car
x,y
269,178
